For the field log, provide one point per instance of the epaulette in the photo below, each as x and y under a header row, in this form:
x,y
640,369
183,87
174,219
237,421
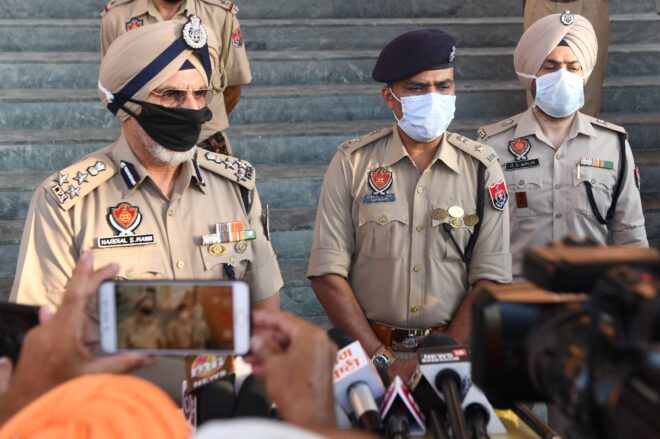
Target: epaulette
x,y
350,146
480,151
229,167
604,124
73,183
111,4
225,4
498,127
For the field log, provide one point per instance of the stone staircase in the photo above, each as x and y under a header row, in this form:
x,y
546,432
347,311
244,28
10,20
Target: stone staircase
x,y
312,89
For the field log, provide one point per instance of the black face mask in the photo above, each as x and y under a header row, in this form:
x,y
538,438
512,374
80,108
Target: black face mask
x,y
176,129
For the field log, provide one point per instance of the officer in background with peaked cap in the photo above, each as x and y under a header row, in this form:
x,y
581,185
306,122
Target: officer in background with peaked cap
x,y
410,217
151,201
567,172
220,17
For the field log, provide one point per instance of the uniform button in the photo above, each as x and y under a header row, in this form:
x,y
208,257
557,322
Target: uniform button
x,y
414,309
557,186
521,183
593,181
558,215
420,190
232,259
170,212
417,268
180,264
419,228
382,219
130,272
558,156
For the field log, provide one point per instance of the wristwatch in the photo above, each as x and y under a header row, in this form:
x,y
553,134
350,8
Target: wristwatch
x,y
383,357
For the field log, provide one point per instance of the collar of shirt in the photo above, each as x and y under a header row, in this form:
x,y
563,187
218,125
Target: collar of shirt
x,y
395,151
528,126
134,173
142,7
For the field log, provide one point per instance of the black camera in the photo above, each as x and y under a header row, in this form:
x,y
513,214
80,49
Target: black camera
x,y
585,336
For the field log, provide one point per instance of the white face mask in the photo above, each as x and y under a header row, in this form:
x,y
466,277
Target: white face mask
x,y
560,93
426,117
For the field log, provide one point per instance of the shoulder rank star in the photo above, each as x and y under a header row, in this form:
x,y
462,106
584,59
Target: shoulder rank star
x,y
380,181
499,195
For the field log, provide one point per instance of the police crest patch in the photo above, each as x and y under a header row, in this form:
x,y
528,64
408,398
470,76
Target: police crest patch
x,y
499,195
134,23
380,181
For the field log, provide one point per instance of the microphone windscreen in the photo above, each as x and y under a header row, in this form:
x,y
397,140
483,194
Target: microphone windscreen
x,y
437,340
215,401
340,337
252,400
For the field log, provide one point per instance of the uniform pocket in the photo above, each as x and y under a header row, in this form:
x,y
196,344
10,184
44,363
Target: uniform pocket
x,y
382,230
237,254
442,248
525,186
602,182
134,262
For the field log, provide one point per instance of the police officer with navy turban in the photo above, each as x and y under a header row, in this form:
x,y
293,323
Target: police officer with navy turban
x,y
412,217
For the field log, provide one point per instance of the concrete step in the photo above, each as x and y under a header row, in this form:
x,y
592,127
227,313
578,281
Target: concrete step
x,y
315,8
282,186
62,109
79,70
310,142
75,35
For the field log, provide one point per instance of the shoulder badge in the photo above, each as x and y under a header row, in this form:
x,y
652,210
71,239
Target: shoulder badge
x,y
604,124
480,151
498,127
71,184
231,168
350,146
225,4
111,4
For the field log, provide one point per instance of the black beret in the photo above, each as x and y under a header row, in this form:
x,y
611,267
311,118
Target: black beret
x,y
414,52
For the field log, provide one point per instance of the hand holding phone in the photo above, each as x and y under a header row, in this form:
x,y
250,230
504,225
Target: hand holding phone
x,y
174,317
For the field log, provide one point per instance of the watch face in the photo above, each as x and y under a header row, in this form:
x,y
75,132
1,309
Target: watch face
x,y
380,360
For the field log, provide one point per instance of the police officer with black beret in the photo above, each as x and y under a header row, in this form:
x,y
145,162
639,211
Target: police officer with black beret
x,y
411,217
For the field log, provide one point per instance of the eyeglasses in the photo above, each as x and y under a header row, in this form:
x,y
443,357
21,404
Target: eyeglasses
x,y
175,97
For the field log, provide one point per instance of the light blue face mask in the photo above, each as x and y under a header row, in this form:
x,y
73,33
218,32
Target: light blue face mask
x,y
426,117
558,94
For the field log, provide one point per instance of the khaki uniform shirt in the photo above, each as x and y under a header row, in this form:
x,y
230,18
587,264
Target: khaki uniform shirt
x,y
549,201
402,266
123,15
69,213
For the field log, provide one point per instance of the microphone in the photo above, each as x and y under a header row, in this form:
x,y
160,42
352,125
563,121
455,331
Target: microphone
x,y
445,365
400,413
215,401
433,408
447,380
356,383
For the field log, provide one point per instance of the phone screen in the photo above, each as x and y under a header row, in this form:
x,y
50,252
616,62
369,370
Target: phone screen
x,y
181,317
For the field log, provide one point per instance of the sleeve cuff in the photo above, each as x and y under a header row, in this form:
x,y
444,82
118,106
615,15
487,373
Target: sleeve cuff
x,y
492,266
328,261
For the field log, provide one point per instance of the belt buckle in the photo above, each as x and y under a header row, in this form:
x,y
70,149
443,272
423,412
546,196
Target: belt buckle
x,y
410,342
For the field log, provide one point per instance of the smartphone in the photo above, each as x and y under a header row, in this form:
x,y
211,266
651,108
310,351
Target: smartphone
x,y
174,317
15,321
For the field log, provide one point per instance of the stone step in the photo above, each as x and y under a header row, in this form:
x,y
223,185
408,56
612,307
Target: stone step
x,y
315,8
74,35
62,109
314,142
79,70
292,187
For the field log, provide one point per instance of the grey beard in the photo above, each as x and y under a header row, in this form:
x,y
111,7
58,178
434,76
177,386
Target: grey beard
x,y
550,118
162,155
